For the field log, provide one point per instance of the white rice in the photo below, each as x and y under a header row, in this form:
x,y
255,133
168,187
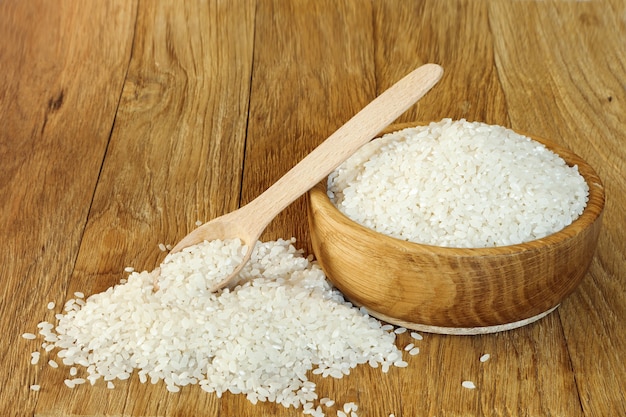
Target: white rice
x,y
459,184
416,336
258,338
468,385
350,406
327,402
401,364
485,357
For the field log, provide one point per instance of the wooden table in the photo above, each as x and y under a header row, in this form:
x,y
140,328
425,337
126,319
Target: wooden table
x,y
123,122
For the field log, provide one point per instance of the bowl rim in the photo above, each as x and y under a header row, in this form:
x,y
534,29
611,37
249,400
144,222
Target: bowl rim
x,y
592,211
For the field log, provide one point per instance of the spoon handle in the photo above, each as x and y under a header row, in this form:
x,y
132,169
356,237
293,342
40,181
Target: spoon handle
x,y
339,146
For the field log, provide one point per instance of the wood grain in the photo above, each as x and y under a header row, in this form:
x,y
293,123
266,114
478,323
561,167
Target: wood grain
x,y
454,34
321,78
58,99
122,123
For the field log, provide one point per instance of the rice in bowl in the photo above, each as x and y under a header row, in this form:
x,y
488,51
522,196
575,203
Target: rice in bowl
x,y
490,250
459,184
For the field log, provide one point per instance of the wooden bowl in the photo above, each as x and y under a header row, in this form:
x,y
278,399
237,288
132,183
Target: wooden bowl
x,y
455,290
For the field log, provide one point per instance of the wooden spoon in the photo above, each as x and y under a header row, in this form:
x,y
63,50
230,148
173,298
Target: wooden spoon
x,y
248,222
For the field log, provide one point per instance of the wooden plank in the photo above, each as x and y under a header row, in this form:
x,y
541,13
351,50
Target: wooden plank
x,y
175,156
577,96
58,97
322,76
516,381
455,35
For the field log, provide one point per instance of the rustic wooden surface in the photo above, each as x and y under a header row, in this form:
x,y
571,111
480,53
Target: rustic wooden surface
x,y
123,122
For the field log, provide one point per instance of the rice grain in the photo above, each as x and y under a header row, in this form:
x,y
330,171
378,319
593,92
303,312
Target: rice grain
x,y
468,385
416,336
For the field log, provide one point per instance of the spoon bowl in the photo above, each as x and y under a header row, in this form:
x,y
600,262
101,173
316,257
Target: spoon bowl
x,y
238,224
248,222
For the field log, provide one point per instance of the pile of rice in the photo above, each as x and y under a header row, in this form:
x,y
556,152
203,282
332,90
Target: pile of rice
x,y
259,338
459,184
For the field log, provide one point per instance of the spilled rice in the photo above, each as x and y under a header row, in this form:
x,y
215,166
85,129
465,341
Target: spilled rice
x,y
258,338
